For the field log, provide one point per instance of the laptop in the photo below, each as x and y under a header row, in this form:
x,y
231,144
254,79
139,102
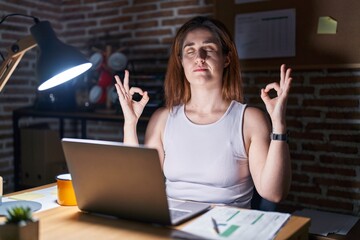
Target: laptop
x,y
110,178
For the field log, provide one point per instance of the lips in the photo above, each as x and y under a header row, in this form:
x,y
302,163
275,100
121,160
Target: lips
x,y
200,70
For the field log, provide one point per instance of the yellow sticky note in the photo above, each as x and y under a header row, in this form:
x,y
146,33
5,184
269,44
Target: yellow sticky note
x,y
327,25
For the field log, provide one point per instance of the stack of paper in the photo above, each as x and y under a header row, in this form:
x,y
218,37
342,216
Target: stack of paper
x,y
324,223
223,222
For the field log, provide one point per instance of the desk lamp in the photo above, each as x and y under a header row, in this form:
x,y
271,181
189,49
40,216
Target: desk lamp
x,y
57,62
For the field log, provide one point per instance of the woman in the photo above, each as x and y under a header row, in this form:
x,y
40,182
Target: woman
x,y
212,147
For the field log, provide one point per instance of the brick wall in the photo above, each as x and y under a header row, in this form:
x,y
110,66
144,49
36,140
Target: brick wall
x,y
323,109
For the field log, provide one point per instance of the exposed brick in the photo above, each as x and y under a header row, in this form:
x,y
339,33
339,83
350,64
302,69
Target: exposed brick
x,y
332,126
82,24
326,203
139,2
329,170
103,13
112,4
157,14
140,25
345,137
294,123
305,189
340,91
175,4
265,80
74,33
73,2
343,194
168,40
300,178
334,80
331,103
331,159
200,11
139,9
328,147
332,182
302,90
343,115
142,42
153,33
102,30
174,21
302,157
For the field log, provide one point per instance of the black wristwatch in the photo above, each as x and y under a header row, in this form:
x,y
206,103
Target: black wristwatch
x,y
280,137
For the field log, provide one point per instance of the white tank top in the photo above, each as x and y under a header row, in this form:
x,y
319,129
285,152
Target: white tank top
x,y
207,163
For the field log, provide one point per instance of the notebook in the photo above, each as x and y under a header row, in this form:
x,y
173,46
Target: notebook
x,y
113,179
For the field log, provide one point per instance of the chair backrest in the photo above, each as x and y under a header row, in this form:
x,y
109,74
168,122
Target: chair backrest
x,y
259,203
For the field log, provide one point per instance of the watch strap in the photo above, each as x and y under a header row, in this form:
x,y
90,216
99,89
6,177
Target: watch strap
x,y
279,137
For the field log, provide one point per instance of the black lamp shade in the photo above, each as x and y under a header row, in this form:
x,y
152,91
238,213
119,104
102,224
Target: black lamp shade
x,y
57,62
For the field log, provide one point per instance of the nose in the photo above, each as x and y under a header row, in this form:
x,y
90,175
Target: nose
x,y
201,56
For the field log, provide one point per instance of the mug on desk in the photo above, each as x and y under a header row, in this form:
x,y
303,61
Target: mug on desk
x,y
65,190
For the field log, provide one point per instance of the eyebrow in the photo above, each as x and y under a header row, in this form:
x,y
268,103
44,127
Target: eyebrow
x,y
204,42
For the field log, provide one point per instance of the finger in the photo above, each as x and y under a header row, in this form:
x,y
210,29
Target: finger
x,y
274,86
287,85
136,90
126,81
119,87
282,73
288,74
145,99
264,95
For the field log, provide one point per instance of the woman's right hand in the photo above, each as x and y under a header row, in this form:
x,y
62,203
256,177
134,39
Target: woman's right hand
x,y
132,109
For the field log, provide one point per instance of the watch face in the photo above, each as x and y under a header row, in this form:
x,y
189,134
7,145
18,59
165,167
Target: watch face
x,y
117,61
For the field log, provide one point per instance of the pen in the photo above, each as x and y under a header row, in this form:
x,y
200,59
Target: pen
x,y
215,225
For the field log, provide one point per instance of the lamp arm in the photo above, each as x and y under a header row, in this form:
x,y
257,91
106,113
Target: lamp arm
x,y
16,52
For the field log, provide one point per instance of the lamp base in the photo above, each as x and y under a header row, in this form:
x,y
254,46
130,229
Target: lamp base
x,y
34,206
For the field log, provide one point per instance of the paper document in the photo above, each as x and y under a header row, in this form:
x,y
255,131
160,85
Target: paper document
x,y
265,34
224,222
47,197
324,223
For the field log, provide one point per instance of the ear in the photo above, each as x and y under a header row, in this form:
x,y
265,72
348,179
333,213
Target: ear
x,y
227,61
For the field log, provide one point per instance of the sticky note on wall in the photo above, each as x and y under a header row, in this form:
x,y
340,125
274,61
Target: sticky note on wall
x,y
327,25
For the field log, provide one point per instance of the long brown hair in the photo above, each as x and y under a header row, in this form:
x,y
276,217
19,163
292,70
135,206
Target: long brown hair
x,y
177,88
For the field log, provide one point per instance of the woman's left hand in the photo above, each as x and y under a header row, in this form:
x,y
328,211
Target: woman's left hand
x,y
276,106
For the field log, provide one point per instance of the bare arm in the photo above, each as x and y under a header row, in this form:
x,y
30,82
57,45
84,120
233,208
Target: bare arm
x,y
155,131
270,160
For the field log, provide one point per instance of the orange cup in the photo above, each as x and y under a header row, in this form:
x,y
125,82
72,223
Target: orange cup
x,y
65,190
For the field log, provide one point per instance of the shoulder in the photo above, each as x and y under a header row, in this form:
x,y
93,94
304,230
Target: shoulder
x,y
254,112
159,116
255,122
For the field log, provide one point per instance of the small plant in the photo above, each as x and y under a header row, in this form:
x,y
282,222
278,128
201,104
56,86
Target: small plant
x,y
19,214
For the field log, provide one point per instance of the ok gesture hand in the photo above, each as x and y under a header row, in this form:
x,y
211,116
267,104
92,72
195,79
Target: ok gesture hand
x,y
276,107
132,109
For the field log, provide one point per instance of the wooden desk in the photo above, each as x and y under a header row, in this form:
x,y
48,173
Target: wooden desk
x,y
69,223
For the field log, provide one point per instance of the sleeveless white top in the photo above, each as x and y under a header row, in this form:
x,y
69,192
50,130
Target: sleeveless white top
x,y
207,163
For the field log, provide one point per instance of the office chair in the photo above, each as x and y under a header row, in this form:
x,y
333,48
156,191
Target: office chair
x,y
259,203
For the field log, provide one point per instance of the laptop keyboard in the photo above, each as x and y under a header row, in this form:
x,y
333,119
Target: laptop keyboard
x,y
175,214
